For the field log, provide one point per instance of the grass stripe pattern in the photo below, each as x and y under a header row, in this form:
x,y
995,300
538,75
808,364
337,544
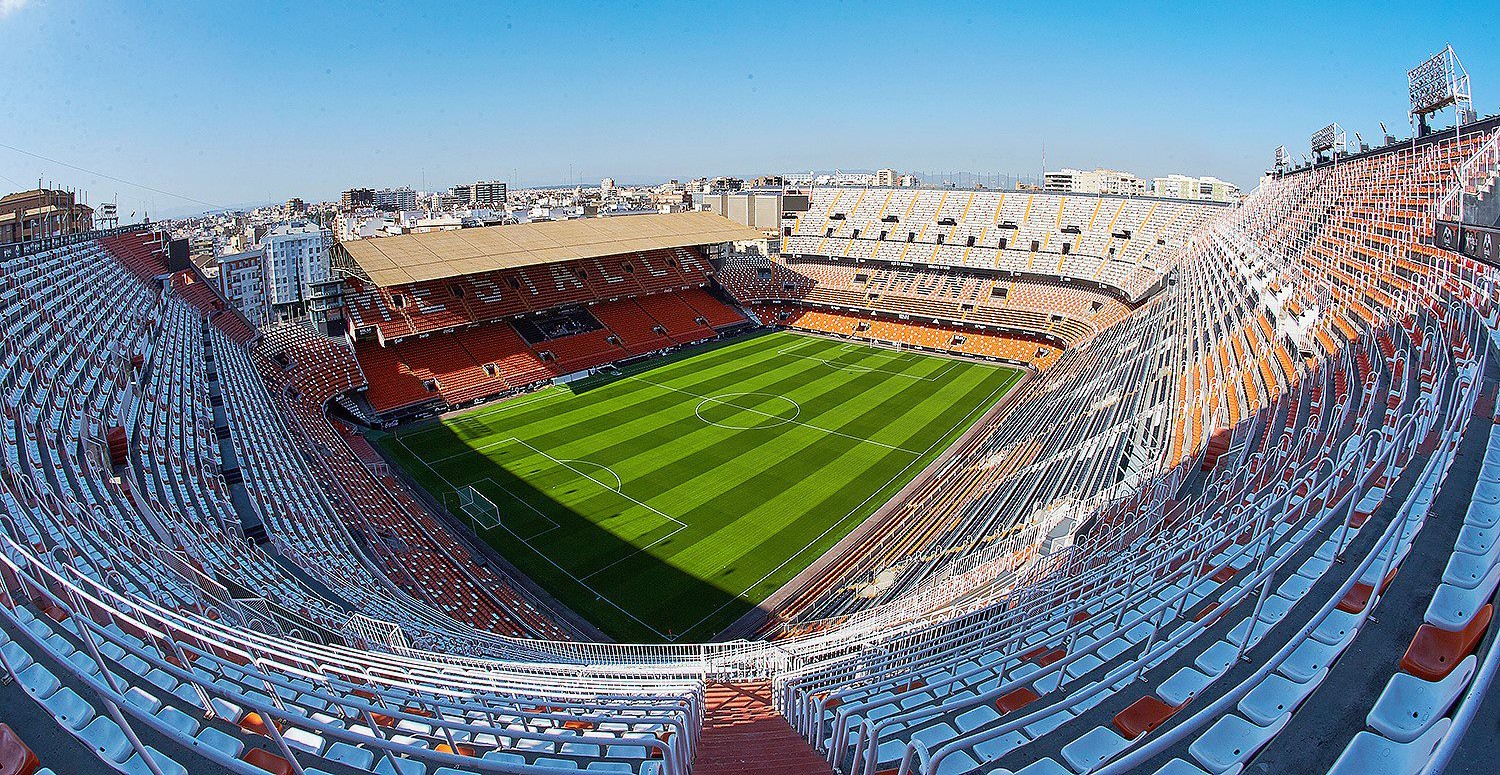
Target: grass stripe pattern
x,y
665,501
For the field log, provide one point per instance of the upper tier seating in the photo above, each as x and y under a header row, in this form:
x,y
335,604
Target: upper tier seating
x,y
1117,242
416,551
191,631
965,299
1339,358
436,305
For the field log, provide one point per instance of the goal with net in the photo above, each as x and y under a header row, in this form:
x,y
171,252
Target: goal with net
x,y
482,510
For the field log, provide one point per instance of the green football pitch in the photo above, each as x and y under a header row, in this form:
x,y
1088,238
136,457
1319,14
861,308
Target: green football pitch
x,y
665,501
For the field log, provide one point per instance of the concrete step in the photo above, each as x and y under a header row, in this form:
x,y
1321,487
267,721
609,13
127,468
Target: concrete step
x,y
744,735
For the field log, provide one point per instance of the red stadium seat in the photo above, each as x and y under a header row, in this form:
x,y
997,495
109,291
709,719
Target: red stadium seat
x,y
15,757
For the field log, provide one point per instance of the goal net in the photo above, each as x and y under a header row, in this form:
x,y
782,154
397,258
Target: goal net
x,y
482,510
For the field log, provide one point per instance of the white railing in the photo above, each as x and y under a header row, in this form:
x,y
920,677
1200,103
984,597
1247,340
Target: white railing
x,y
1480,171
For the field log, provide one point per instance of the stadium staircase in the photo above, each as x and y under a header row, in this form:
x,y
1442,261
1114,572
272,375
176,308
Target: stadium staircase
x,y
744,735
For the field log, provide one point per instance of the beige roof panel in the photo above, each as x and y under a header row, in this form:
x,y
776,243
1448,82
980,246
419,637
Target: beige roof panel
x,y
411,258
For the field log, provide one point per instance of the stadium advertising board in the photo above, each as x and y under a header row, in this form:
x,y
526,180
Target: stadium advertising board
x,y
1476,242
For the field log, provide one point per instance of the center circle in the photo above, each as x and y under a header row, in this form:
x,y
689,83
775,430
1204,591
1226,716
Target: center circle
x,y
747,411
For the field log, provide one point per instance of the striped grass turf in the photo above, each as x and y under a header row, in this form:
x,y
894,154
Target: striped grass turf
x,y
664,502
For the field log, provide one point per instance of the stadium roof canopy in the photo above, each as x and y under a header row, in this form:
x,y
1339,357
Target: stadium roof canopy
x,y
412,258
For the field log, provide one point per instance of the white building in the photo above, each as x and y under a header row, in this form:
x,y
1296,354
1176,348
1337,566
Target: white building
x,y
831,179
241,279
607,186
403,198
1204,188
886,177
1097,181
436,223
296,256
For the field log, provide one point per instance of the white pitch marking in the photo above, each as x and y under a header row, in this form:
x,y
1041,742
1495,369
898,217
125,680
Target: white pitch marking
x,y
698,410
795,422
549,559
983,404
519,500
848,347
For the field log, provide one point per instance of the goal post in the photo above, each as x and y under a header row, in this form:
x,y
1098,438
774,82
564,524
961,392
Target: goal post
x,y
482,510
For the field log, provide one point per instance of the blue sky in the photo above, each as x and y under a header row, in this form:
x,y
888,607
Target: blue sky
x,y
236,102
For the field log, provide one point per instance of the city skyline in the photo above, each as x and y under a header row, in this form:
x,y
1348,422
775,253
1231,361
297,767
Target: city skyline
x,y
181,108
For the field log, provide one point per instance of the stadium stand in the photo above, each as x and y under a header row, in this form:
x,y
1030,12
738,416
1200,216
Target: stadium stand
x,y
962,299
160,537
433,344
1323,469
418,552
478,361
1114,242
926,336
1164,553
419,308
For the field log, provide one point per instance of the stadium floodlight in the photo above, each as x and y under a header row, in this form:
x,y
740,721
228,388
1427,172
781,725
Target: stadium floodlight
x,y
1330,137
1437,83
1389,138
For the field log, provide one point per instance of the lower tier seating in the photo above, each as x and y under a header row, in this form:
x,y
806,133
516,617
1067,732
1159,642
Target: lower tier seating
x,y
928,336
455,367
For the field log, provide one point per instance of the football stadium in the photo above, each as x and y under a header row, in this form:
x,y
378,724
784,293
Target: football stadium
x,y
841,426
899,479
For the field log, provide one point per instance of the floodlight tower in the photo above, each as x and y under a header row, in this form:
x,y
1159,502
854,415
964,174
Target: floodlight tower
x,y
1435,84
1330,138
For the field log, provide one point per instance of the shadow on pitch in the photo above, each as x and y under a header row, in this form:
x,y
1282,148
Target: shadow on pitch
x,y
659,594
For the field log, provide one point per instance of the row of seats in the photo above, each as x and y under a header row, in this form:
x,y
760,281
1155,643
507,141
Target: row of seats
x,y
1114,241
436,305
474,362
182,474
132,598
1015,479
1125,650
194,288
961,297
268,701
929,336
1163,551
307,372
140,251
